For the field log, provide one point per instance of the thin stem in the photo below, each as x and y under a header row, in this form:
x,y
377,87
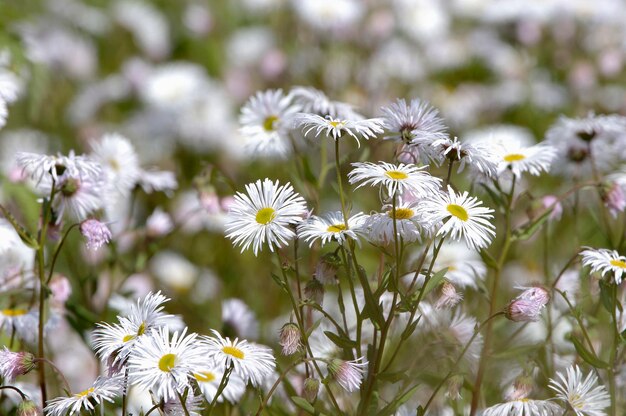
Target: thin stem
x,y
182,401
340,184
459,358
124,395
616,337
153,408
24,398
56,369
449,176
580,322
58,250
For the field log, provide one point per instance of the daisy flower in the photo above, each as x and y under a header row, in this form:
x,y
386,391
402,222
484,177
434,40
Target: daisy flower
x,y
119,161
338,127
524,407
415,123
265,214
114,342
395,178
349,374
209,377
331,227
265,122
477,156
251,362
315,101
520,159
23,321
102,389
584,397
37,166
407,223
147,313
604,261
238,319
163,365
461,217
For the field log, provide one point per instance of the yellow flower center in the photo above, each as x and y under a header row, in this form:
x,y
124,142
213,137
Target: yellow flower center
x,y
265,215
204,376
336,228
85,393
401,214
458,211
396,175
14,312
235,352
167,362
129,337
336,124
618,263
142,329
514,157
269,123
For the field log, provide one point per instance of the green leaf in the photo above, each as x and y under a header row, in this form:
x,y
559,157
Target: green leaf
x,y
393,406
25,236
410,329
340,341
494,196
393,377
434,281
606,295
488,259
304,405
279,281
587,355
372,309
526,231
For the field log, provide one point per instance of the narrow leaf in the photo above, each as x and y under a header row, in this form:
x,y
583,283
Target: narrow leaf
x,y
587,355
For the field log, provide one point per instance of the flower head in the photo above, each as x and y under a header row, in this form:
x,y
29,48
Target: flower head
x,y
13,364
349,374
604,261
252,362
528,305
520,159
331,227
102,389
290,338
264,215
97,233
209,377
338,127
524,407
414,123
584,397
394,178
460,216
403,219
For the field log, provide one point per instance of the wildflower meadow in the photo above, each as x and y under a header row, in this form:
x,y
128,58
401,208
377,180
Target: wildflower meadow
x,y
312,207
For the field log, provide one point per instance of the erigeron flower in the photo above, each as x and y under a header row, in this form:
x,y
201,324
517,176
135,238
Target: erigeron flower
x,y
251,362
28,408
315,101
209,377
603,260
38,166
349,374
21,321
520,159
265,122
339,127
311,389
478,156
113,343
448,296
119,161
264,215
584,397
103,389
524,407
164,365
404,219
460,217
147,313
394,178
13,364
289,338
331,227
97,233
416,123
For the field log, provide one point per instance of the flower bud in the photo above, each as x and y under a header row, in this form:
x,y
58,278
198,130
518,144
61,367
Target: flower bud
x,y
96,233
311,388
13,364
28,408
528,305
448,296
521,389
348,374
326,268
289,338
613,198
314,291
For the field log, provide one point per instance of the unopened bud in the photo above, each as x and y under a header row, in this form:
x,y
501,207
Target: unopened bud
x,y
28,408
448,296
314,291
521,389
528,305
289,338
311,388
326,268
613,198
13,364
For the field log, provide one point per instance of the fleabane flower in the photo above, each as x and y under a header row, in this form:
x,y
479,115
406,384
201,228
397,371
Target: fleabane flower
x,y
315,101
103,389
416,123
252,362
477,156
524,407
265,122
339,127
584,396
532,159
13,364
113,343
404,219
331,227
38,166
97,233
395,178
164,365
460,217
147,313
264,215
209,376
604,261
349,374
119,161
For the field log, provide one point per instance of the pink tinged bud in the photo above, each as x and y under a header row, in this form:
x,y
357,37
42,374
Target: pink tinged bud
x,y
551,201
96,233
28,408
528,305
314,291
448,297
311,389
348,374
522,387
613,198
61,289
289,339
13,364
326,269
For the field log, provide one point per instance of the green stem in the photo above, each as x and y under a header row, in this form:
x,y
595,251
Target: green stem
x,y
182,401
58,250
24,398
616,337
340,184
221,387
